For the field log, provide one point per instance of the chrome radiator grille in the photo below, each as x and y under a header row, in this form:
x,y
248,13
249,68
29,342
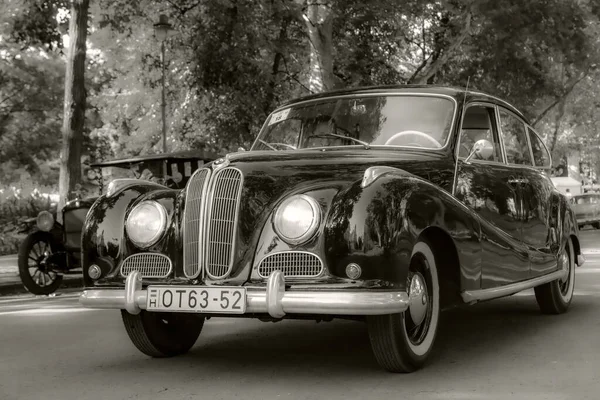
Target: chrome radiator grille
x,y
296,264
210,222
192,232
149,265
221,220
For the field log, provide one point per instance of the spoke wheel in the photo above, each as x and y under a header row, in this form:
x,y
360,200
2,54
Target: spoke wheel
x,y
403,342
555,297
37,274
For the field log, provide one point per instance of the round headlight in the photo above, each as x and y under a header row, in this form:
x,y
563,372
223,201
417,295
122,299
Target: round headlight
x,y
45,221
297,219
146,223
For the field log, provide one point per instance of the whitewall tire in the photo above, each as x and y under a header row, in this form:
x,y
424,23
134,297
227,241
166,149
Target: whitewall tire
x,y
403,342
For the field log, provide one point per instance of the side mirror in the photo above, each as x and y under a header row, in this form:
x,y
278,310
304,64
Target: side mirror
x,y
483,149
241,149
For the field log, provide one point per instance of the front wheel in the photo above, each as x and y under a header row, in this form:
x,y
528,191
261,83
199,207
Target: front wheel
x,y
158,334
555,297
402,342
37,274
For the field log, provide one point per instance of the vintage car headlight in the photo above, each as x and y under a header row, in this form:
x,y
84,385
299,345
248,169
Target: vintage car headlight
x,y
146,223
297,219
45,221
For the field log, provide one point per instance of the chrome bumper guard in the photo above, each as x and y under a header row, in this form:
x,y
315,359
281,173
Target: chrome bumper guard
x,y
580,260
273,299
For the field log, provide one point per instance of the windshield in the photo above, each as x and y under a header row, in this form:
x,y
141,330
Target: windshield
x,y
395,120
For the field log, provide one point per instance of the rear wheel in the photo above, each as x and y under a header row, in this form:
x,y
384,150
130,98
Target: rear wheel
x,y
596,225
162,334
402,342
555,297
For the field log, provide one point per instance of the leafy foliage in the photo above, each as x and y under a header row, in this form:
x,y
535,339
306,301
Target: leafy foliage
x,y
229,63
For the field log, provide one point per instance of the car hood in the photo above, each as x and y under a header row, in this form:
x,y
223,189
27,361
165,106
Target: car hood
x,y
269,177
268,174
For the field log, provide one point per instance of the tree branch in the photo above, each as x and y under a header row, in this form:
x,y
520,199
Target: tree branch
x,y
292,77
566,92
183,10
441,61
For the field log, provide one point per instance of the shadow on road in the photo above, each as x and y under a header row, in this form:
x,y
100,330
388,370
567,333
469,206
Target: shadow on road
x,y
469,337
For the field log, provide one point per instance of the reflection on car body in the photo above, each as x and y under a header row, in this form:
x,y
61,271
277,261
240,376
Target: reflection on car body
x,y
385,205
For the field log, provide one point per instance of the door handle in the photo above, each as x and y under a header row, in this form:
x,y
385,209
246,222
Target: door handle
x,y
518,181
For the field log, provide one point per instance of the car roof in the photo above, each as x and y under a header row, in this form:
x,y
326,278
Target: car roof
x,y
179,155
452,91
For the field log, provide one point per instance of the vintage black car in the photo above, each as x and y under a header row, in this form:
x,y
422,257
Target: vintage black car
x,y
385,204
52,249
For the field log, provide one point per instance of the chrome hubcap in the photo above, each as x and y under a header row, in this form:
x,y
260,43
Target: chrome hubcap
x,y
563,262
417,299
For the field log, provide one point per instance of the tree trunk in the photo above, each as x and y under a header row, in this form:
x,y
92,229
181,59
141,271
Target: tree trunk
x,y
74,104
559,114
319,21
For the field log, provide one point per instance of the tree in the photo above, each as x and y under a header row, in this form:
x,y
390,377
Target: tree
x,y
319,24
74,103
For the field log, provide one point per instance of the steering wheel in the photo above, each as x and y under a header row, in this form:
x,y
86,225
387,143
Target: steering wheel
x,y
417,133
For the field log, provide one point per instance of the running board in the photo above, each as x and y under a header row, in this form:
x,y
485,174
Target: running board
x,y
472,296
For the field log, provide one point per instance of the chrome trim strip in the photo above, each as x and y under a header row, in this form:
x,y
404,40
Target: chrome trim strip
x,y
470,296
208,223
147,265
371,174
273,299
291,253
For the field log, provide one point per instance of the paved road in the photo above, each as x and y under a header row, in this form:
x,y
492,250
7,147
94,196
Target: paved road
x,y
52,349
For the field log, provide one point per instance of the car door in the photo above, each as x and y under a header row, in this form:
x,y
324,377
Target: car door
x,y
539,194
535,190
489,188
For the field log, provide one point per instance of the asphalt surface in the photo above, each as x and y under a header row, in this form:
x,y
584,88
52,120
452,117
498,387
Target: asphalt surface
x,y
50,348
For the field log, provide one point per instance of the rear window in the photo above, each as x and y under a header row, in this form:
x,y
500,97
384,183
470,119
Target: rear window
x,y
541,156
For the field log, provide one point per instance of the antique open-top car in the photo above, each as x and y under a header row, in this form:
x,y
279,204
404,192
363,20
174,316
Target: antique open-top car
x,y
53,249
384,204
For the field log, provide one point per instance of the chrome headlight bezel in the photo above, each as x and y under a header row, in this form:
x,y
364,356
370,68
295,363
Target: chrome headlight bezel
x,y
161,215
278,219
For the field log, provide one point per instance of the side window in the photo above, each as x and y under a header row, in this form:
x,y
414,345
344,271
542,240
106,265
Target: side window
x,y
477,124
541,157
515,139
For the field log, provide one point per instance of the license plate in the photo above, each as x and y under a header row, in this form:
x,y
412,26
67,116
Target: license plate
x,y
226,300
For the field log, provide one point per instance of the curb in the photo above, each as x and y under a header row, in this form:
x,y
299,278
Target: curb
x,y
13,288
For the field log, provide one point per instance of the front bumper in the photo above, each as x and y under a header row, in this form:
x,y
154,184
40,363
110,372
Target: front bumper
x,y
273,299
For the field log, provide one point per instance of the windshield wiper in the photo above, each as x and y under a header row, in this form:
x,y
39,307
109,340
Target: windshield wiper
x,y
367,145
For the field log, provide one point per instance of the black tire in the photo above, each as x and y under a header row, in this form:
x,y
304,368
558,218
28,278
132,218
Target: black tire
x,y
44,280
158,334
555,297
596,225
394,348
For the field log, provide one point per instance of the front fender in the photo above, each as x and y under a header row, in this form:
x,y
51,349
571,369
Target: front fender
x,y
104,241
378,225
